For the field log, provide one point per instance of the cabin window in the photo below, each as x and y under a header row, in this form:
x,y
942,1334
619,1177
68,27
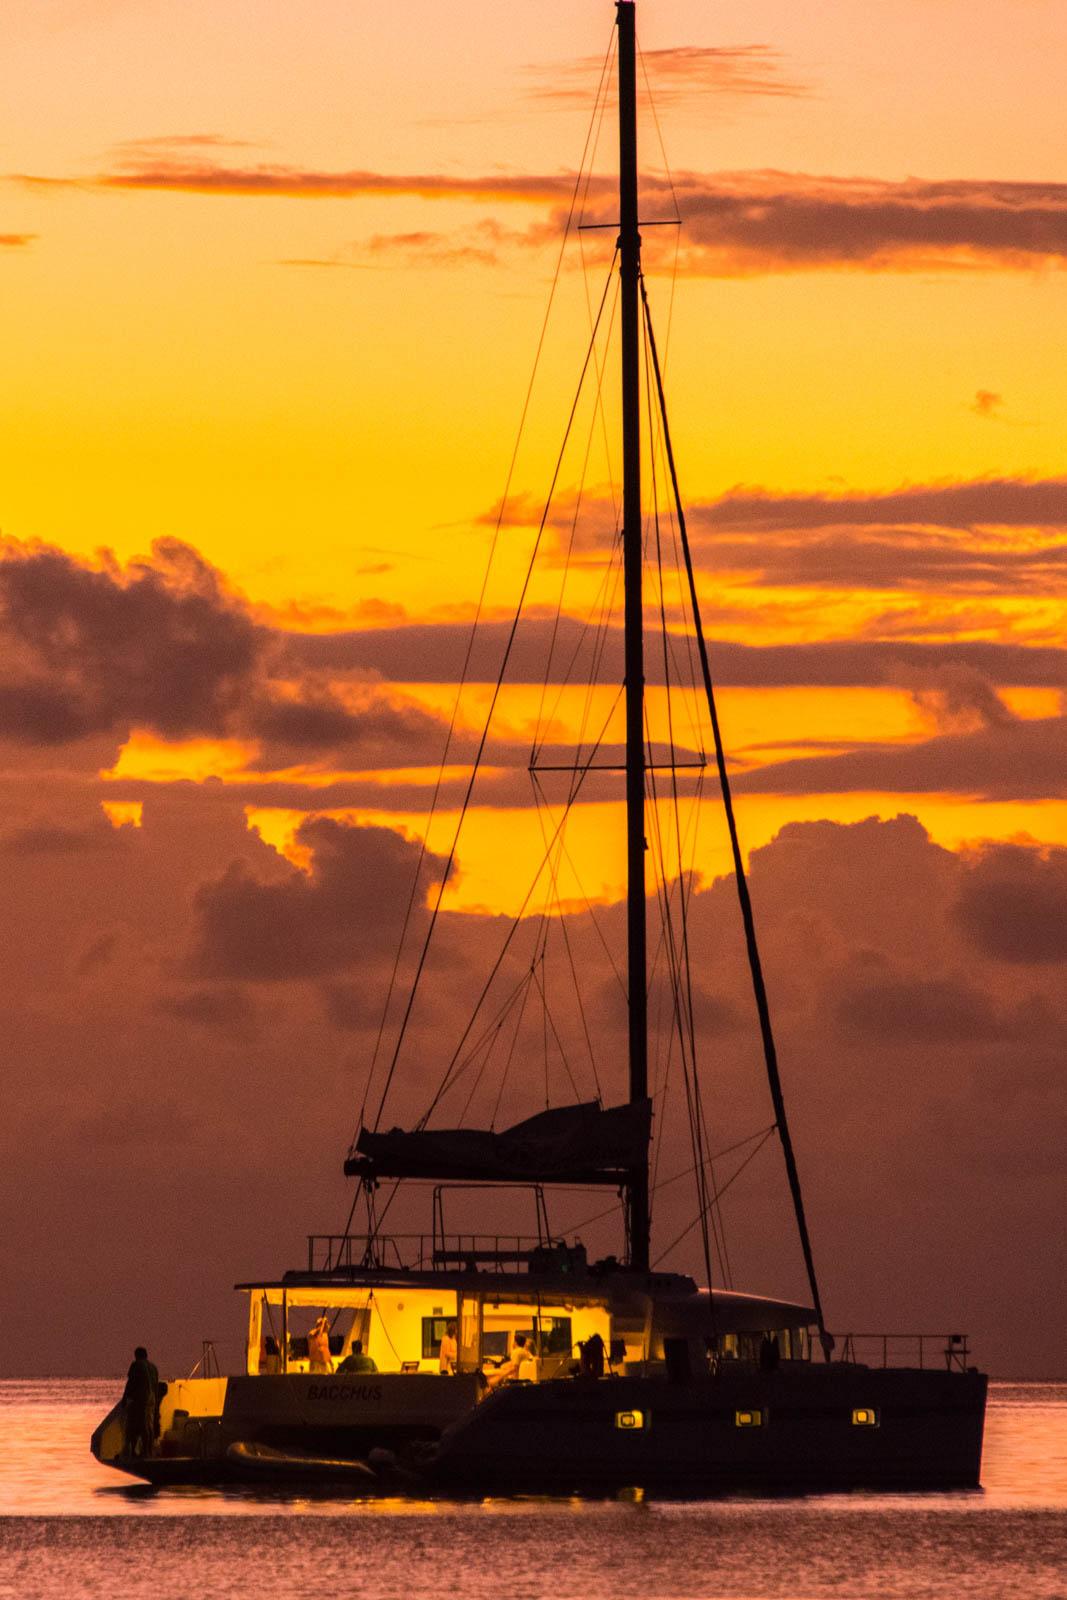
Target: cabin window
x,y
748,1419
864,1417
433,1331
554,1335
630,1421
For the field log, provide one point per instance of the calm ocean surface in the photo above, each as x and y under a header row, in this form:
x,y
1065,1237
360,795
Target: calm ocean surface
x,y
69,1527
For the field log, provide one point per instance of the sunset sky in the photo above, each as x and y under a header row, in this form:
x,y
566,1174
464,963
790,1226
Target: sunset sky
x,y
272,280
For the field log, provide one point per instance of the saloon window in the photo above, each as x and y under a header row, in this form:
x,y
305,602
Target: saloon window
x,y
433,1331
554,1336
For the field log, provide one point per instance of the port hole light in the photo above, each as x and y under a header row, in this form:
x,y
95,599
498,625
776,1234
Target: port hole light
x,y
629,1421
865,1417
748,1419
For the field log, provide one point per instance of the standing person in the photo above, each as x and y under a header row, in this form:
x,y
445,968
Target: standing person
x,y
319,1346
448,1352
140,1399
592,1359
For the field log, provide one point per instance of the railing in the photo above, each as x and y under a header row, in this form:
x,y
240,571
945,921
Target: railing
x,y
904,1349
208,1364
422,1252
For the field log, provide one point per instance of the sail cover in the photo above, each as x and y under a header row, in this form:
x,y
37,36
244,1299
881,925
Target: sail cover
x,y
571,1144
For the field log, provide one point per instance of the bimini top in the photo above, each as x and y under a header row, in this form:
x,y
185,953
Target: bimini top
x,y
571,1144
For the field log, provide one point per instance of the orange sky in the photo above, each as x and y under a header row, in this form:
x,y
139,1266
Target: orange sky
x,y
272,279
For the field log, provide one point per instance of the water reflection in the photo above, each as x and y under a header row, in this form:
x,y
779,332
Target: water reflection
x,y
46,1468
77,1528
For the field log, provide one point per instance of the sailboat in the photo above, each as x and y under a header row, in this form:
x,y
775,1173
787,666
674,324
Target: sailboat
x,y
444,1363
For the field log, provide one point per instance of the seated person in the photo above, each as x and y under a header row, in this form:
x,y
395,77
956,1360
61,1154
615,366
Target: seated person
x,y
356,1361
522,1351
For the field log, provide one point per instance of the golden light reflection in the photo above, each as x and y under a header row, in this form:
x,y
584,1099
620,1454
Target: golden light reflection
x,y
146,756
123,813
501,849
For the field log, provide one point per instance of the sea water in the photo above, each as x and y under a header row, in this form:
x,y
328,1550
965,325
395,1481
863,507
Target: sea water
x,y
70,1527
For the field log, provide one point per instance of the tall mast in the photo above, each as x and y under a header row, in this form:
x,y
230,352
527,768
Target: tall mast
x,y
630,272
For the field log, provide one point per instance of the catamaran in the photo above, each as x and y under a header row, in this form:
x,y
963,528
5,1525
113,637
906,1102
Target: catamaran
x,y
444,1362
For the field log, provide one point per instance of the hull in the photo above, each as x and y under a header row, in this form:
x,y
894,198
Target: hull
x,y
803,1429
704,1436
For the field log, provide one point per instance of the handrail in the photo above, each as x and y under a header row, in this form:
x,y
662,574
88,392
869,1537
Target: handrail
x,y
952,1347
423,1252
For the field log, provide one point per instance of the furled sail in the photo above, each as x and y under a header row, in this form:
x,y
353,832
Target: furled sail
x,y
569,1144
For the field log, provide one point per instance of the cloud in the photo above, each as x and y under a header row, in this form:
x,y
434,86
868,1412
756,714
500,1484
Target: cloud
x,y
960,700
149,146
87,649
994,536
479,244
1013,904
987,404
1003,760
320,925
757,222
16,241
917,1008
917,1063
735,223
434,653
889,558
227,1009
679,74
52,839
164,644
201,176
984,502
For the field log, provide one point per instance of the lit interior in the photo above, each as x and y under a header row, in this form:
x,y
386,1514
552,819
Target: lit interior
x,y
401,1329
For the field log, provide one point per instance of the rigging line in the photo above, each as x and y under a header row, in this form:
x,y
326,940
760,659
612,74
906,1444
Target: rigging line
x,y
511,1051
595,921
505,946
683,1011
550,1022
485,730
716,1197
544,1028
687,1065
744,899
601,599
487,1056
659,133
597,619
610,589
650,97
482,1046
485,583
554,869
599,104
662,1091
569,553
665,1183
